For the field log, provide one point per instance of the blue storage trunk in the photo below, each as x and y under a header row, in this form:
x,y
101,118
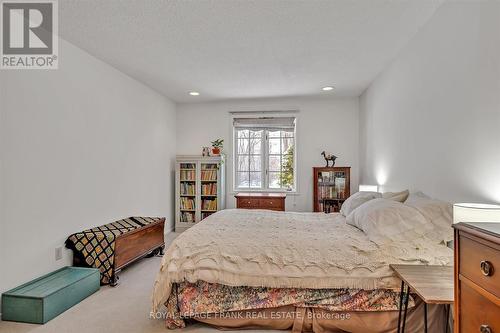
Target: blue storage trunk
x,y
42,299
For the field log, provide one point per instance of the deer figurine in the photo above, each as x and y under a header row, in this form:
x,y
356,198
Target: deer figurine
x,y
328,158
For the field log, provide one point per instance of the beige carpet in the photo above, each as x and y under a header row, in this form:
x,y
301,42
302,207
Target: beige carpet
x,y
124,308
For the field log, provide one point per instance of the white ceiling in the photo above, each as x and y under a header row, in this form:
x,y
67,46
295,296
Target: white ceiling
x,y
244,49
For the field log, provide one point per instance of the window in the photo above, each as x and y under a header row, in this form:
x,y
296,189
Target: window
x,y
264,153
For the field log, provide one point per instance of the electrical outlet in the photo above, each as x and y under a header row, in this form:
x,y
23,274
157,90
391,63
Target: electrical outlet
x,y
58,253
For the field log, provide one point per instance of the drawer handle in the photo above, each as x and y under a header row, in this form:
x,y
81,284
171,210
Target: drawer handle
x,y
485,329
270,202
486,268
249,202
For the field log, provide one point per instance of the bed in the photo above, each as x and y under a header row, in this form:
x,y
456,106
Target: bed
x,y
284,270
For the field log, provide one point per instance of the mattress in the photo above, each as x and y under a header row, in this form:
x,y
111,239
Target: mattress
x,y
258,248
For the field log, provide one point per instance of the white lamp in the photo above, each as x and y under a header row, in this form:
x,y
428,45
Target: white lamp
x,y
368,188
473,212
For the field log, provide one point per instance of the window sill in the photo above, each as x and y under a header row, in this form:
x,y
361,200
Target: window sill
x,y
291,193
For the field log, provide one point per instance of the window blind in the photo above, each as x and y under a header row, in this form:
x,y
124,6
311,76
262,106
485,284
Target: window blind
x,y
265,122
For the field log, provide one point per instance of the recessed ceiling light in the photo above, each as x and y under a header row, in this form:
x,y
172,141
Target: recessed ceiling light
x,y
327,88
194,93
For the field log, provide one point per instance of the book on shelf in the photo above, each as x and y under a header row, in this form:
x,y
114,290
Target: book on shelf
x,y
209,175
186,203
209,189
188,175
209,204
329,207
324,177
205,214
210,166
331,184
187,217
327,192
340,187
330,176
188,165
187,189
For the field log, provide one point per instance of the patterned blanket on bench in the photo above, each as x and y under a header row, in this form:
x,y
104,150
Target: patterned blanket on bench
x,y
96,247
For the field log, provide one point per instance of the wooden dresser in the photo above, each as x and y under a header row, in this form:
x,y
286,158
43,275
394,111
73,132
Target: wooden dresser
x,y
477,277
271,201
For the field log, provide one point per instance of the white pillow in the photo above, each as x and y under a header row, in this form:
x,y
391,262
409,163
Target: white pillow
x,y
439,213
356,200
420,194
396,196
385,221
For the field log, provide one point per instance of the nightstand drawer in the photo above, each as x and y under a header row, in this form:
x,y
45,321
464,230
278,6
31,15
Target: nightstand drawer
x,y
480,264
477,313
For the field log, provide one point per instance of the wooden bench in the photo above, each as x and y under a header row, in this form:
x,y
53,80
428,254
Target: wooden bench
x,y
137,244
115,245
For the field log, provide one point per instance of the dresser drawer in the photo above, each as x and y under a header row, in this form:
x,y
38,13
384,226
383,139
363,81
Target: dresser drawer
x,y
477,311
480,264
270,203
248,203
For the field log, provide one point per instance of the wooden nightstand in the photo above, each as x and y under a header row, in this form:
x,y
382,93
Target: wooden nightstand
x,y
477,277
271,201
433,284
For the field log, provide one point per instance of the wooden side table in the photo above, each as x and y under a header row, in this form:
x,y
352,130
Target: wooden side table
x,y
433,284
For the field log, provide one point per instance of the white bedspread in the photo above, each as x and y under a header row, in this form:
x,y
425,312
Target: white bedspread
x,y
285,249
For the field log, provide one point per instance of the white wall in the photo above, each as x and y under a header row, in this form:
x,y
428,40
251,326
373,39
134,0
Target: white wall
x,y
431,121
80,146
323,124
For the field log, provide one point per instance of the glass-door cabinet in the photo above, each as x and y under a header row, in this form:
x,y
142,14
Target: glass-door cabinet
x,y
331,188
199,189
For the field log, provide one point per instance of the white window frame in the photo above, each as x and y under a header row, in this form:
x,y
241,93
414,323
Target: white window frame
x,y
264,159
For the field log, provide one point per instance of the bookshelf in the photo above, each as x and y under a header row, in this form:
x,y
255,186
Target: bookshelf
x,y
332,186
199,189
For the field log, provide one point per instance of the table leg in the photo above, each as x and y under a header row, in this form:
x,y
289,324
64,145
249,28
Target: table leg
x,y
407,296
448,306
401,305
425,317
